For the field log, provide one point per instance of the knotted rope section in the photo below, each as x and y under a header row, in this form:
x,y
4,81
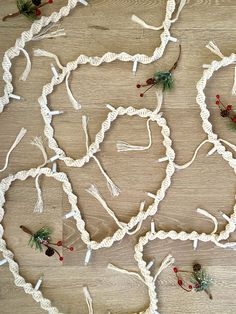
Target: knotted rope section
x,y
40,30
205,114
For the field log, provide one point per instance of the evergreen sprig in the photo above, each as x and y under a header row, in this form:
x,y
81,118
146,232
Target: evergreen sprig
x,y
202,280
27,8
164,79
37,239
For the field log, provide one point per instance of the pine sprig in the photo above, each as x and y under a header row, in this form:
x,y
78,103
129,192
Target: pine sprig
x,y
162,79
27,8
165,79
202,280
37,239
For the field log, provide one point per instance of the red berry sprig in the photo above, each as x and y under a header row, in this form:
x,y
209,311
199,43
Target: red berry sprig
x,y
200,280
180,281
226,111
28,8
42,238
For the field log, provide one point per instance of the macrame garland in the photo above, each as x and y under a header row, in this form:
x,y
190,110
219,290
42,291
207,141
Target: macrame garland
x,y
205,114
43,23
135,222
16,142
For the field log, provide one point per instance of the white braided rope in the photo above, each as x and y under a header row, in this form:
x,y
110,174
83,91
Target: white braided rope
x,y
38,25
205,114
8,255
160,194
183,236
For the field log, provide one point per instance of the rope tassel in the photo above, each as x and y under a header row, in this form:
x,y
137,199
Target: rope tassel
x,y
141,22
27,70
44,53
114,189
39,204
16,142
45,35
124,147
124,271
213,48
88,299
95,193
168,261
234,86
72,99
38,142
208,215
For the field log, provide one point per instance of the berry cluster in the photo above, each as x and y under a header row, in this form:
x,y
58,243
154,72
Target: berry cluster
x,y
199,280
180,281
42,238
225,111
161,79
38,4
29,8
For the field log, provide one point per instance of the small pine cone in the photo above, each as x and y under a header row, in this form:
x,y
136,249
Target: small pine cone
x,y
49,252
36,2
197,267
224,113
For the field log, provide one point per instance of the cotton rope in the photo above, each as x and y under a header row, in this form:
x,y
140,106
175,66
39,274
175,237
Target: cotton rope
x,y
37,32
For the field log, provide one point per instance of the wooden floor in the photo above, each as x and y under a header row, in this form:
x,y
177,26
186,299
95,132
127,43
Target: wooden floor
x,y
209,183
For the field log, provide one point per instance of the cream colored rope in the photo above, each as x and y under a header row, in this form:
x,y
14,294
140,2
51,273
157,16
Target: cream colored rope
x,y
38,26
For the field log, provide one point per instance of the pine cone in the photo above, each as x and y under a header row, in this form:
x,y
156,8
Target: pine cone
x,y
197,267
36,2
50,251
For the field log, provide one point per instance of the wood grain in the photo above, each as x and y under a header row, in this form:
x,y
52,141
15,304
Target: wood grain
x,y
209,183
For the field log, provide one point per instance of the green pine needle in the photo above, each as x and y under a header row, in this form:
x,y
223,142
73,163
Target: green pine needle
x,y
203,279
44,234
27,8
165,79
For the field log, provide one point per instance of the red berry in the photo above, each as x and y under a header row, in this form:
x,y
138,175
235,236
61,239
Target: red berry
x,y
180,282
197,285
71,248
175,269
233,119
59,243
190,287
141,95
50,1
61,258
218,96
37,12
138,85
217,102
229,107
